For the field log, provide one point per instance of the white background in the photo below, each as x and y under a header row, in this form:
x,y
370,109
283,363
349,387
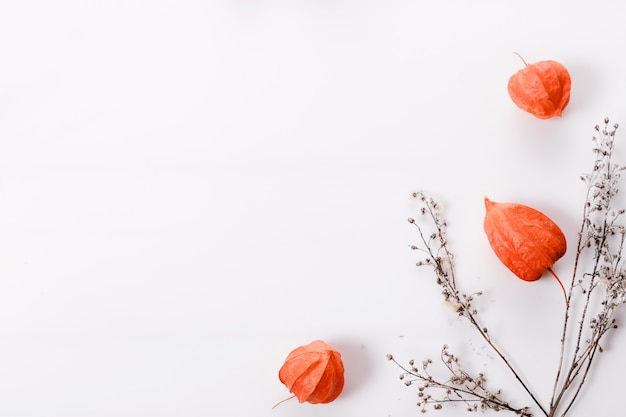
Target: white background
x,y
191,189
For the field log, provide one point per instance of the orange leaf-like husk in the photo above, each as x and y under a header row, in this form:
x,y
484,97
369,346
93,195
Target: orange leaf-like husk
x,y
542,89
524,239
313,373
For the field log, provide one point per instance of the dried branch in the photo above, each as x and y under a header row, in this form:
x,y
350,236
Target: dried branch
x,y
597,289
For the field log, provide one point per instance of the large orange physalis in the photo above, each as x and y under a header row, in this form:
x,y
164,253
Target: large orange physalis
x,y
313,373
524,239
541,89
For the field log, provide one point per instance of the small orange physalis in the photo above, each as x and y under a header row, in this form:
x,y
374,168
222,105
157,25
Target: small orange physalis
x,y
313,373
524,239
542,88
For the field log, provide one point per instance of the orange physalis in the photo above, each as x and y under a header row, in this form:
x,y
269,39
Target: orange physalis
x,y
313,373
524,239
542,88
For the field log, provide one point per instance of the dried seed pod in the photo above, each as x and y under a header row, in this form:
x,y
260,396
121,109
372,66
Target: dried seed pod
x,y
313,373
542,88
524,239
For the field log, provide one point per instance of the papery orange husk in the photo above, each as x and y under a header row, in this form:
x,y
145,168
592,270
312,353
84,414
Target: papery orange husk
x,y
313,373
542,88
524,239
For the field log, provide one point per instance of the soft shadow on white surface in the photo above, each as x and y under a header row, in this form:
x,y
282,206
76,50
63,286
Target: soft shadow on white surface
x,y
358,365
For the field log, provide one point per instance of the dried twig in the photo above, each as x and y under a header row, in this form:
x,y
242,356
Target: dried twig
x,y
601,235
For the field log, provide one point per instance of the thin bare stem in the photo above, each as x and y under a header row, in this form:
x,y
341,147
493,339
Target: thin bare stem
x,y
519,379
520,57
282,401
560,283
595,234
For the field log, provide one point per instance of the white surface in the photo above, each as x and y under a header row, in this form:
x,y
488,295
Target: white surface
x,y
191,189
